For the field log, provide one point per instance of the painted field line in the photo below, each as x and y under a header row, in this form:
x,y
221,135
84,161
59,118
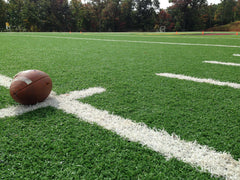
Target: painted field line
x,y
209,81
5,81
50,101
128,41
222,63
173,35
170,146
236,54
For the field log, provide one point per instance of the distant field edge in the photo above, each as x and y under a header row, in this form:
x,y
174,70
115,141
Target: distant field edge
x,y
123,41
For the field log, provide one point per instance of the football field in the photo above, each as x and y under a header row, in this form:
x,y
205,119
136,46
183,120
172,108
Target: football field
x,y
123,106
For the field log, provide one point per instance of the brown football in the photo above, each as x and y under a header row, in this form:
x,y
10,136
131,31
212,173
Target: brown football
x,y
30,87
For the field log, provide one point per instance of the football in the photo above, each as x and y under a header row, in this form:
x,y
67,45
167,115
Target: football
x,y
30,87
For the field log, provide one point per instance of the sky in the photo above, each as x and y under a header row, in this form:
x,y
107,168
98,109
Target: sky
x,y
164,3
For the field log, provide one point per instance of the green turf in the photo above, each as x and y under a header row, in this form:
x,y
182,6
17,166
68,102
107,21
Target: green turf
x,y
47,143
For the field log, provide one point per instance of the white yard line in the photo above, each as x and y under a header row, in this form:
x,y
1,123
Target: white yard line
x,y
170,146
128,41
222,63
209,81
5,81
236,54
173,35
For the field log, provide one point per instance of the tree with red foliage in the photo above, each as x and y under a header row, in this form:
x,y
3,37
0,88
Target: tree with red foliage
x,y
164,19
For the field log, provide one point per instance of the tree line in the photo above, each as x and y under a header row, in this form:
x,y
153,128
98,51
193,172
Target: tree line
x,y
115,15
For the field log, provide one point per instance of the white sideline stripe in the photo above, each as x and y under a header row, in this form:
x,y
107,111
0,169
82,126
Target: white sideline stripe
x,y
222,63
128,41
236,54
217,163
209,81
5,81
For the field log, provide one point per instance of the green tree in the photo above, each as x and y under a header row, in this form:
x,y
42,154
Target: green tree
x,y
225,12
110,15
126,15
3,14
210,15
96,12
44,7
77,15
30,15
59,18
187,13
177,17
145,14
237,11
15,14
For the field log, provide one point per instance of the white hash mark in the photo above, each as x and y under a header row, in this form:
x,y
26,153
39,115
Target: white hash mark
x,y
170,146
199,80
236,54
222,63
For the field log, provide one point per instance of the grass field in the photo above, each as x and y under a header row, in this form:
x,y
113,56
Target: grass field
x,y
49,143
